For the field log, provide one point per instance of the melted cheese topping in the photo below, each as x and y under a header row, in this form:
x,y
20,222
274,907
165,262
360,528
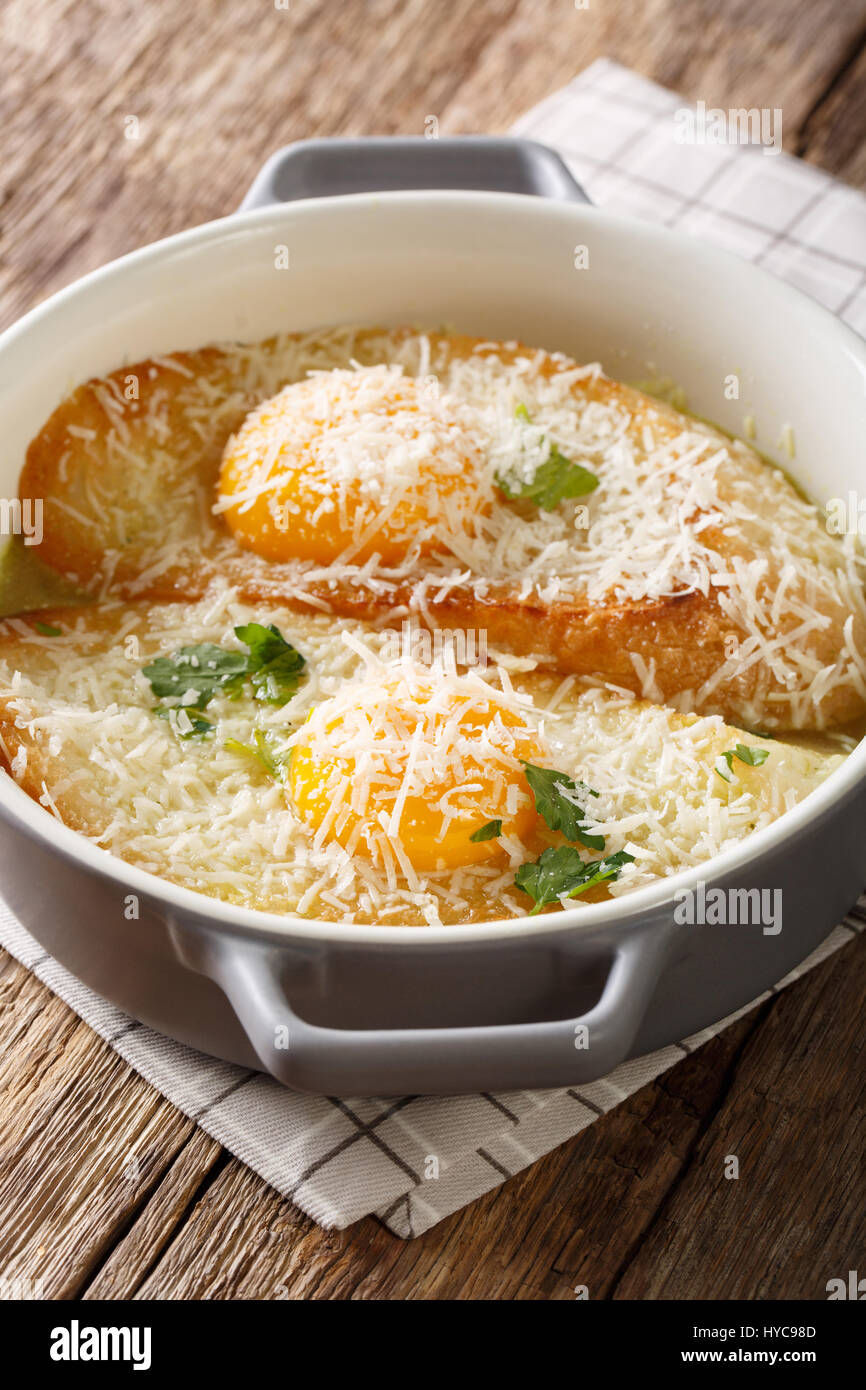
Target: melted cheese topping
x,y
370,460
79,733
679,507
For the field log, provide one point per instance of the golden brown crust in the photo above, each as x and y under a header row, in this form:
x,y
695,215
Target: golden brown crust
x,y
90,496
78,804
94,506
75,729
102,524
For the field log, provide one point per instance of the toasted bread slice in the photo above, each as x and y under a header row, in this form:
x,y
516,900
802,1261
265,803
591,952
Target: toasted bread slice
x,y
694,574
79,732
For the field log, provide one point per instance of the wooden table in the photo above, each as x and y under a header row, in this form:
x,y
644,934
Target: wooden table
x,y
638,1205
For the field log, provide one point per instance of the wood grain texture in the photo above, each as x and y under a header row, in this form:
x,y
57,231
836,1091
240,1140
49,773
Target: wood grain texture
x,y
83,1140
796,1123
106,1191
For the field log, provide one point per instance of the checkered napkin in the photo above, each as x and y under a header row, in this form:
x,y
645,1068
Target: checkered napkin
x,y
415,1160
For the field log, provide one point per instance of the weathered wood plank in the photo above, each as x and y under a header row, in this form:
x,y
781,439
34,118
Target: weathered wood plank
x,y
83,1140
795,1120
834,134
153,1226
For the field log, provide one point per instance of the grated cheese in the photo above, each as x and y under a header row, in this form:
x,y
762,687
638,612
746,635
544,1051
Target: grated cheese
x,y
679,508
79,732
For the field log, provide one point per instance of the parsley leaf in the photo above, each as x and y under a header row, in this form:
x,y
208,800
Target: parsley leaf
x,y
490,831
560,812
48,631
271,664
562,873
274,665
204,668
755,757
275,764
752,757
553,481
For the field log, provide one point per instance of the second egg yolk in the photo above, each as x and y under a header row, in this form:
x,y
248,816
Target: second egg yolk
x,y
409,770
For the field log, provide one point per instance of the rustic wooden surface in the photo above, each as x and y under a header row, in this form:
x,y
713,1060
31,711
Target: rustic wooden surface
x,y
637,1206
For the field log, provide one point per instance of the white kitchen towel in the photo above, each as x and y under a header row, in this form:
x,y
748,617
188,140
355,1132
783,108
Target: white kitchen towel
x,y
415,1160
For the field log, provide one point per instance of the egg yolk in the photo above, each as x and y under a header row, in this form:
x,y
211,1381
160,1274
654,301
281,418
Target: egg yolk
x,y
410,770
346,465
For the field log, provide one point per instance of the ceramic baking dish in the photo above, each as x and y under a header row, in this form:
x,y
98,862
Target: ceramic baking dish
x,y
562,998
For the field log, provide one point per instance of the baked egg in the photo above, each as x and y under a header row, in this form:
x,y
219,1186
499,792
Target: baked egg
x,y
350,464
413,769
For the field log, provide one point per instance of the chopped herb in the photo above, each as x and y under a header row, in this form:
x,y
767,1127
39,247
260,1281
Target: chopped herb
x,y
275,764
490,831
271,664
204,668
274,665
561,812
562,873
48,631
553,481
752,757
179,716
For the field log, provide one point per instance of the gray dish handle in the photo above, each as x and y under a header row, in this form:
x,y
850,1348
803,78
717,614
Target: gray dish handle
x,y
375,164
324,1060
